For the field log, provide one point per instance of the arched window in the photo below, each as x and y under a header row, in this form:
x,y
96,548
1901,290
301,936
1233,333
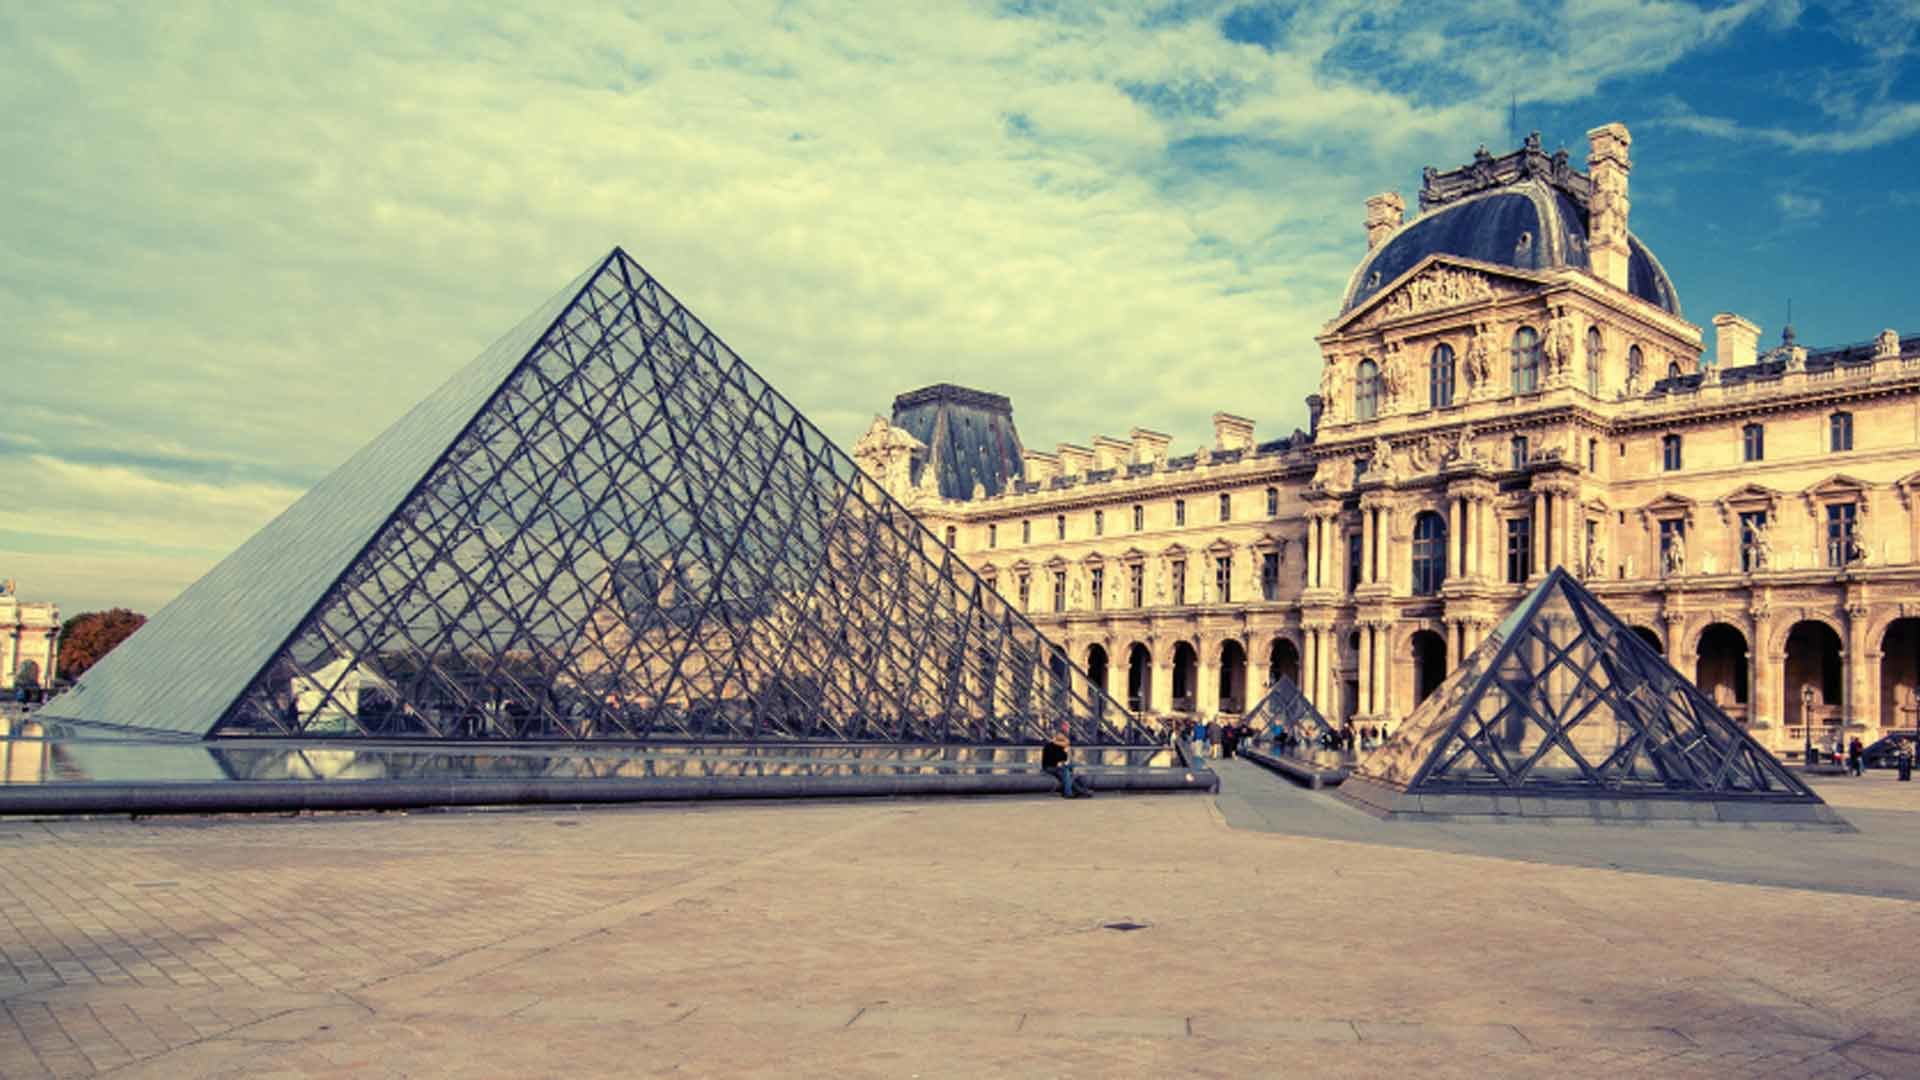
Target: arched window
x,y
1366,391
1673,370
1526,360
1440,376
1636,365
1596,359
1429,553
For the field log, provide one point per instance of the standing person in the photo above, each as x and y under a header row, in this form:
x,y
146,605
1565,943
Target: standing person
x,y
1229,738
1855,753
1907,750
1200,735
1056,760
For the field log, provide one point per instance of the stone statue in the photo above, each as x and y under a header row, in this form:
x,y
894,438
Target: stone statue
x,y
1393,375
1676,555
1636,371
1073,603
1478,368
1160,583
1557,347
1333,474
1596,569
1762,541
1382,459
1887,345
1426,453
1330,386
1462,448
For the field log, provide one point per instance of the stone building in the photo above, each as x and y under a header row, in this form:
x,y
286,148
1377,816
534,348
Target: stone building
x,y
1509,385
29,640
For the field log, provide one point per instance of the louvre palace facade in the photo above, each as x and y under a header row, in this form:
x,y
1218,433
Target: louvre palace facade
x,y
1509,386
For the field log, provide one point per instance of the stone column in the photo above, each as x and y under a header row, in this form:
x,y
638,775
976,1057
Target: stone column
x,y
1312,552
1206,672
1116,687
1456,536
1856,697
1383,673
1470,514
1539,534
1365,704
1160,694
1367,541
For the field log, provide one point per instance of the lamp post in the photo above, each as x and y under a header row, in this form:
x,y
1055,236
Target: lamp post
x,y
1806,723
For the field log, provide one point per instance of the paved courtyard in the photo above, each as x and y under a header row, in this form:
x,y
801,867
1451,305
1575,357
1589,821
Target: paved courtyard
x,y
1280,934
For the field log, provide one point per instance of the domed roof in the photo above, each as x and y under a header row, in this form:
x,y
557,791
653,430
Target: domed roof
x,y
1529,224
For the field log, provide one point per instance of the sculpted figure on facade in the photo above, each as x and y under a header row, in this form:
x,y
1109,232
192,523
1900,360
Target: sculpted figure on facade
x,y
1427,454
1762,541
1596,568
1557,348
1462,447
1887,345
1381,462
1330,395
1479,369
1333,474
1676,555
1393,375
1636,372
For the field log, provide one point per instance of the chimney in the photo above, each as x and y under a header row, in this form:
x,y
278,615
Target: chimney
x,y
1110,453
1232,432
1735,341
1041,468
1074,460
1385,212
1316,405
1149,447
1607,166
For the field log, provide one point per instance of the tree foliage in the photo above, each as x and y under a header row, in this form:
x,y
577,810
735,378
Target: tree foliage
x,y
90,635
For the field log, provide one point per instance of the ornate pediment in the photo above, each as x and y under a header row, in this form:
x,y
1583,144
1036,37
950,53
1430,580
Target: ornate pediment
x,y
1434,286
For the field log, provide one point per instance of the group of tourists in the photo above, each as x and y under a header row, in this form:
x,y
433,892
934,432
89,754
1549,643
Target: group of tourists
x,y
1219,737
1854,757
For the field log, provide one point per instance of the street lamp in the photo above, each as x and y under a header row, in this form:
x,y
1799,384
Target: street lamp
x,y
1806,722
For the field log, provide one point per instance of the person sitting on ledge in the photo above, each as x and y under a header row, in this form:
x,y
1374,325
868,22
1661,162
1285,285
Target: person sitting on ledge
x,y
1056,760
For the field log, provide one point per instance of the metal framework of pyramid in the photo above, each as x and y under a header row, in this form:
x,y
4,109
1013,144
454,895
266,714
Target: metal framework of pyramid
x,y
1565,710
1284,702
606,526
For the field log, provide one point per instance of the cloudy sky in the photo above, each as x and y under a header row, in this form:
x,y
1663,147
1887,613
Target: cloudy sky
x,y
236,242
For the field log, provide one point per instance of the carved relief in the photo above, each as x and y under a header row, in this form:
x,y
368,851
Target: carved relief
x,y
1433,288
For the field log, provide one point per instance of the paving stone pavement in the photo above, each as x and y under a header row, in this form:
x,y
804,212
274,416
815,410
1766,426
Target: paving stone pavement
x,y
942,938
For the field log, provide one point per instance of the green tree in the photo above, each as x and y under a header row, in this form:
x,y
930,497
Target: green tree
x,y
90,635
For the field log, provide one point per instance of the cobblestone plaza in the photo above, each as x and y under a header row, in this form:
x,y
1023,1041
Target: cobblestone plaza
x,y
1280,933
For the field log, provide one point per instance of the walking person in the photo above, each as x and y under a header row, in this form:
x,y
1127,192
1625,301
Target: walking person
x,y
1056,760
1855,754
1906,751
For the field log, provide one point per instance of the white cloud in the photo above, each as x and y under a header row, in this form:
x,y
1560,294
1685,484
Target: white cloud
x,y
243,240
1796,206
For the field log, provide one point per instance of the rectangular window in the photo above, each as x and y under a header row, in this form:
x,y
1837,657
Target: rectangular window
x,y
1840,432
1137,586
1670,452
1179,511
1593,455
953,535
1139,517
1519,549
1059,590
1354,549
1270,576
1099,523
1179,582
1273,502
1098,576
1753,443
993,536
1593,540
1842,547
1059,526
1226,507
1671,530
1026,592
1752,524
1519,451
1223,578
1026,532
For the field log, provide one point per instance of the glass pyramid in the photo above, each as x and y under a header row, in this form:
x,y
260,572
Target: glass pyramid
x,y
1285,703
606,526
1563,699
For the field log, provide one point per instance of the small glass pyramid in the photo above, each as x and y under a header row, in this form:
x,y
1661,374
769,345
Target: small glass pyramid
x,y
1564,701
1297,717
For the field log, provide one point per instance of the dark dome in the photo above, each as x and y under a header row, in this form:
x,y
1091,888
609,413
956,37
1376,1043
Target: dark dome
x,y
1529,225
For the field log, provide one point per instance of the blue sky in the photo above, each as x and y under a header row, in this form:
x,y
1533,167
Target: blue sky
x,y
241,241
